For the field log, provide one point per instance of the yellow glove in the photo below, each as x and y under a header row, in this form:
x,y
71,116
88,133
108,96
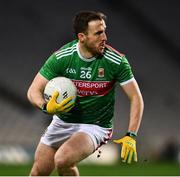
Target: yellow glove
x,y
128,150
52,107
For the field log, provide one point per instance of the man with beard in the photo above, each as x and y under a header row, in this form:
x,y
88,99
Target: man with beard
x,y
79,128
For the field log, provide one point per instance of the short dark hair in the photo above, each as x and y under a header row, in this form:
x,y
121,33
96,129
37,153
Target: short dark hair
x,y
81,20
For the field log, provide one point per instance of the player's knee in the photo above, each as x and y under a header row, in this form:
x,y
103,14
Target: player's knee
x,y
65,167
62,162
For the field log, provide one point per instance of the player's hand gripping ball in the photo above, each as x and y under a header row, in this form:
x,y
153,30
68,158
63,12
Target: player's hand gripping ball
x,y
60,94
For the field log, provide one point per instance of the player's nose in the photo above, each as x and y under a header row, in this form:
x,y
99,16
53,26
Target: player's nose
x,y
104,37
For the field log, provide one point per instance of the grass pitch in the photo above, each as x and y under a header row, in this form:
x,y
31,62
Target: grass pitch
x,y
145,169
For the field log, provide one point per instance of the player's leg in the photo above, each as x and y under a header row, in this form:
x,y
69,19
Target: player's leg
x,y
44,161
75,149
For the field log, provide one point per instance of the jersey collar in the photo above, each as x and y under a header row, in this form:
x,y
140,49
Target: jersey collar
x,y
81,57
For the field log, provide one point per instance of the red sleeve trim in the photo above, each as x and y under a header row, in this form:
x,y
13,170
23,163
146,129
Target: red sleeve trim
x,y
111,48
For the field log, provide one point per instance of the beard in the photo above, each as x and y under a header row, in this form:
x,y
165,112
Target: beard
x,y
94,50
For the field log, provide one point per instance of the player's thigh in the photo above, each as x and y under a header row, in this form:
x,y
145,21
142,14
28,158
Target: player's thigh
x,y
75,149
44,157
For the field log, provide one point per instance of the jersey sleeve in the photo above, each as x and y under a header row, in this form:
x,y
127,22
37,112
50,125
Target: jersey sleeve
x,y
125,73
50,70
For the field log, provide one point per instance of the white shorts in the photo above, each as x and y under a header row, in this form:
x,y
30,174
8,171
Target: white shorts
x,y
59,131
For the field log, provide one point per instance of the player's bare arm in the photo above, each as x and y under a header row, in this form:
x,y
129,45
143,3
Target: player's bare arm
x,y
36,97
35,91
128,142
136,105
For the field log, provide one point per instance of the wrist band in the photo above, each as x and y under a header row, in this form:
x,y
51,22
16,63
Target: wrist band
x,y
131,134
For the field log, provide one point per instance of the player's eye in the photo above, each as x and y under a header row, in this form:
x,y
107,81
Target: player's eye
x,y
99,33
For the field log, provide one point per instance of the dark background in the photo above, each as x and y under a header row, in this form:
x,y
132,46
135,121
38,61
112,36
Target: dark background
x,y
147,32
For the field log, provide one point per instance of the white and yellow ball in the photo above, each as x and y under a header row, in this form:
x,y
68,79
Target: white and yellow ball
x,y
63,85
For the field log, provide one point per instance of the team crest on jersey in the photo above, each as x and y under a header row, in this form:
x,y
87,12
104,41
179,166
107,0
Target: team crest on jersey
x,y
101,72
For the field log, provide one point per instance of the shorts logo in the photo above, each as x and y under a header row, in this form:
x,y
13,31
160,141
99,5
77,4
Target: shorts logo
x,y
101,72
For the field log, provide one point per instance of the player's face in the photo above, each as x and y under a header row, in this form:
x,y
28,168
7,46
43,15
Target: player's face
x,y
96,38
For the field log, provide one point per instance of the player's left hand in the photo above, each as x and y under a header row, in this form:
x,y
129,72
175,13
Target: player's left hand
x,y
128,150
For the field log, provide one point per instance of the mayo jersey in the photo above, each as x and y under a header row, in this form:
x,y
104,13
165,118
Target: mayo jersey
x,y
95,79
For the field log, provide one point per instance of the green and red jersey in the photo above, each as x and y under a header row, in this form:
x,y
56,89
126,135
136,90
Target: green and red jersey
x,y
95,79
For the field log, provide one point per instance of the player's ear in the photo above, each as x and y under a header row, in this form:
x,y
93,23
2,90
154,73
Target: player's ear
x,y
81,37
